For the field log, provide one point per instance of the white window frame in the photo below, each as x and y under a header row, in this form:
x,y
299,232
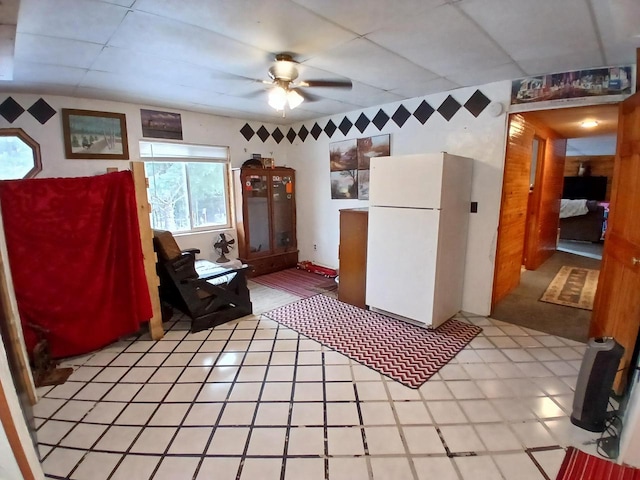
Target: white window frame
x,y
152,151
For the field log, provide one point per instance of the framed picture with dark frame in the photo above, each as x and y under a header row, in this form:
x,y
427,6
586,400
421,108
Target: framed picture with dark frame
x,y
93,135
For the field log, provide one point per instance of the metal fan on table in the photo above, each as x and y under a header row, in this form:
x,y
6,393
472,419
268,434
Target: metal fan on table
x,y
286,91
223,246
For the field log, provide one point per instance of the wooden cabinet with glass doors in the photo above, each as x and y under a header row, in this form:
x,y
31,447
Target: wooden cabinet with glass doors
x,y
266,218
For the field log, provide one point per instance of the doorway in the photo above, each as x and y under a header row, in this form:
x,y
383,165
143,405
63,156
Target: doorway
x,y
533,247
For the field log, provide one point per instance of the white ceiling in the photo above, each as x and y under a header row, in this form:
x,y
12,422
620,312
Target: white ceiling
x,y
210,55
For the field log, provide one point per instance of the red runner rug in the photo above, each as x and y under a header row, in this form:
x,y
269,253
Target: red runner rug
x,y
298,282
578,465
403,352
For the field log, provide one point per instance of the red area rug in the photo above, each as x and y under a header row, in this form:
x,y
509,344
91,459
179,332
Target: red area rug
x,y
298,282
578,465
404,352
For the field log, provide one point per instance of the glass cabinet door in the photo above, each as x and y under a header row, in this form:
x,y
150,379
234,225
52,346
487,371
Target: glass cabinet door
x,y
282,205
256,189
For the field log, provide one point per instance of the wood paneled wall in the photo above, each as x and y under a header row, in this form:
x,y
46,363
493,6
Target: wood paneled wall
x,y
542,232
601,166
513,209
528,227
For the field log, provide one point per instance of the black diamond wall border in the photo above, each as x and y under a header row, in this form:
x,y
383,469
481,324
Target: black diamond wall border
x,y
11,110
475,104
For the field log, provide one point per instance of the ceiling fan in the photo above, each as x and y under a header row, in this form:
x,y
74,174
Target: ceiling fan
x,y
286,90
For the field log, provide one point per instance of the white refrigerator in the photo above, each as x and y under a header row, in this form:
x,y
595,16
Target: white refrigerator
x,y
418,219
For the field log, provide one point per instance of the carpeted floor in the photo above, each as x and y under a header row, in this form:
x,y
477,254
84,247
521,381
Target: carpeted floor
x,y
522,306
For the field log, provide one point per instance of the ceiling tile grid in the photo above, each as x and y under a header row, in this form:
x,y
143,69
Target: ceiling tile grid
x,y
214,57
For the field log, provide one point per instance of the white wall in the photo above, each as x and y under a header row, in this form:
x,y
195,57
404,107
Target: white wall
x,y
197,128
482,138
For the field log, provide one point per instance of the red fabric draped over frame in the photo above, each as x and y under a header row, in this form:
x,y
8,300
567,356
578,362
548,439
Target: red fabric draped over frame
x,y
76,260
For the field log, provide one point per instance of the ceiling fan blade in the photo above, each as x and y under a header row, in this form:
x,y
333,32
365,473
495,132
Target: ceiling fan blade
x,y
308,97
327,83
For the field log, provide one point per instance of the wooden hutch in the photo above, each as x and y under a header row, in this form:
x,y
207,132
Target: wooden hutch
x,y
266,218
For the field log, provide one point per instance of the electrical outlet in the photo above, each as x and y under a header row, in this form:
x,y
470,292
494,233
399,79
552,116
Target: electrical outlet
x,y
315,247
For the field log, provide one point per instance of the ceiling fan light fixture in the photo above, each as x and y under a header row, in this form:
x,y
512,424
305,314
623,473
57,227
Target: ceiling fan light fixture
x,y
278,98
294,99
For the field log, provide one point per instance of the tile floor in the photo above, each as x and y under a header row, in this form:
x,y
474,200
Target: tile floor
x,y
254,400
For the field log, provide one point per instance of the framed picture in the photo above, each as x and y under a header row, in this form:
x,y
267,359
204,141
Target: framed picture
x,y
268,162
94,135
157,124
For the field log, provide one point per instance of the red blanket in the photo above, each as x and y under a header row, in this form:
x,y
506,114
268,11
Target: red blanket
x,y
76,260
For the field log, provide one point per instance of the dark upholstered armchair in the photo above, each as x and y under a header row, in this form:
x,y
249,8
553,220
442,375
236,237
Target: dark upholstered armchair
x,y
208,293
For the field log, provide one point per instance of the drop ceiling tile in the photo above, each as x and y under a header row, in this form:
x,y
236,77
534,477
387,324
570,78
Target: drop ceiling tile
x,y
445,41
432,86
481,76
56,51
125,61
618,42
99,20
41,88
274,26
389,71
170,39
365,16
327,106
26,71
557,31
561,63
361,95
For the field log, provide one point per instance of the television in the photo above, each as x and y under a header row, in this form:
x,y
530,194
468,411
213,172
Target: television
x,y
590,188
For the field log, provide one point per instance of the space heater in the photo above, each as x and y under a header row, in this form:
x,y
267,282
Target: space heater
x,y
593,388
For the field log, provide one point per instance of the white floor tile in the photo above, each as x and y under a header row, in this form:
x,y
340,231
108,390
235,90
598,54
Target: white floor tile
x,y
550,461
440,468
176,467
423,439
345,441
498,437
307,468
84,435
96,466
154,440
461,439
348,469
474,468
261,468
510,389
272,414
228,441
342,414
61,461
391,468
446,412
412,413
384,440
118,438
517,466
224,468
306,441
267,441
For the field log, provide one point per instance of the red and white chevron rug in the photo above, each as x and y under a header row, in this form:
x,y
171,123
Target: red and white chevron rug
x,y
293,280
578,465
404,352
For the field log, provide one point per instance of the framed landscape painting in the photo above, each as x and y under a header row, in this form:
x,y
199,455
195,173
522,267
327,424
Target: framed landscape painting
x,y
94,135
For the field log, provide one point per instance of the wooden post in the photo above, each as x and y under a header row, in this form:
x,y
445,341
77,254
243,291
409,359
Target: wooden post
x,y
146,239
